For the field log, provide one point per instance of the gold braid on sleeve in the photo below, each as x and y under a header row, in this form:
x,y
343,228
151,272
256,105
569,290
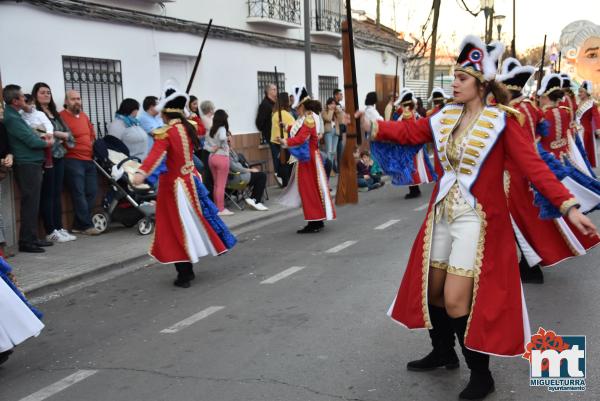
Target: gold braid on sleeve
x,y
566,205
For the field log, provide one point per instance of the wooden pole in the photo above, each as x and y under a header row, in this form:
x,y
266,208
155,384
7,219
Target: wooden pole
x,y
436,16
513,44
347,189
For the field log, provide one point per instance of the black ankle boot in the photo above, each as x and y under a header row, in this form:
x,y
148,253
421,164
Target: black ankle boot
x,y
481,382
531,275
413,192
311,227
4,356
185,274
442,339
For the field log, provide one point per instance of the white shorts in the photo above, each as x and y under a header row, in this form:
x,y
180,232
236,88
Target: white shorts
x,y
454,245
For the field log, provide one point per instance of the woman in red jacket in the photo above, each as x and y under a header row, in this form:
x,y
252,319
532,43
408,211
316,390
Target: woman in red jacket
x,y
587,118
462,274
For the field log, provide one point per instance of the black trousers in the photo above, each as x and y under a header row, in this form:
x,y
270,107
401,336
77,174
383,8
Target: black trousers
x,y
50,201
207,178
185,270
258,182
29,181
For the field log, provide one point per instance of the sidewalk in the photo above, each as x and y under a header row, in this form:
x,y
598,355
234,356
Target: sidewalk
x,y
119,246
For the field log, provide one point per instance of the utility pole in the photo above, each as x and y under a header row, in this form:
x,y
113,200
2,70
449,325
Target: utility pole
x,y
378,13
307,50
436,16
513,45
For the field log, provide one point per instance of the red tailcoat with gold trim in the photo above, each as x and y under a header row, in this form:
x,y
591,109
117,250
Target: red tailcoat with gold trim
x,y
551,240
178,211
498,322
311,178
589,118
570,102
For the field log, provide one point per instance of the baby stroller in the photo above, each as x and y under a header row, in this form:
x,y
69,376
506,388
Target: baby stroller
x,y
123,202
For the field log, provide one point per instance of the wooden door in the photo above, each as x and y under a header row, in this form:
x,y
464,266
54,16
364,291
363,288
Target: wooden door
x,y
384,86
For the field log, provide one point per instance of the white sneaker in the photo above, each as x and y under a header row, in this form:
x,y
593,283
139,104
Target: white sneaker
x,y
226,212
279,180
251,202
260,207
67,235
55,236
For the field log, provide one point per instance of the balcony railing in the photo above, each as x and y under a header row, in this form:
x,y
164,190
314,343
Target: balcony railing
x,y
327,17
279,12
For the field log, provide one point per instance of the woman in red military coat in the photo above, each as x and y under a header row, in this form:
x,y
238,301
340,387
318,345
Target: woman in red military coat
x,y
587,118
543,242
462,274
187,225
311,182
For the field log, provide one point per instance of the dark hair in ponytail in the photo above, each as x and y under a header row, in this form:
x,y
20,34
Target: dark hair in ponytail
x,y
189,128
219,120
313,105
497,89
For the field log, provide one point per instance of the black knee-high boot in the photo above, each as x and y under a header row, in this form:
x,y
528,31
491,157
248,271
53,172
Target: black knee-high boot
x,y
185,273
442,339
481,382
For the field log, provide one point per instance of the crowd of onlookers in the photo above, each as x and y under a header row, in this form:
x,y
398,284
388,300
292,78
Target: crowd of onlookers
x,y
48,149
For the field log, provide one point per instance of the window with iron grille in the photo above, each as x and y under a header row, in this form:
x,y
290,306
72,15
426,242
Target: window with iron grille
x,y
281,10
327,84
265,78
327,16
99,81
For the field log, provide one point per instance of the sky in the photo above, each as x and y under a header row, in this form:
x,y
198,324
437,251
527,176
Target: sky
x,y
534,18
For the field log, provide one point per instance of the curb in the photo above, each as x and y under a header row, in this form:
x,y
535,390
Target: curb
x,y
56,284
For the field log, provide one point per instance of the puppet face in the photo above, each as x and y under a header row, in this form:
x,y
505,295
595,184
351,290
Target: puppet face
x,y
588,59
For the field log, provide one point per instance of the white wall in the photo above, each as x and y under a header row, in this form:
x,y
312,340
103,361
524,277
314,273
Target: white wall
x,y
227,74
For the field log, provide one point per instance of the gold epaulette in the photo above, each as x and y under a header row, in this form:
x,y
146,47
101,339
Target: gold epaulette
x,y
161,133
513,112
309,121
565,108
194,123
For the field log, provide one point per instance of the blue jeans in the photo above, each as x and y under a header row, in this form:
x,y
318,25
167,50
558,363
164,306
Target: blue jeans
x,y
81,178
371,182
331,143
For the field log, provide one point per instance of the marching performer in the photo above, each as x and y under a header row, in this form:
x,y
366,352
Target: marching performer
x,y
420,171
437,99
542,242
562,150
569,101
187,225
587,118
462,273
18,320
309,184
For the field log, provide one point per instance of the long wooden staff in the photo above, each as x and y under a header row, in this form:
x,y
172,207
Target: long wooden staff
x,y
282,158
541,70
189,86
347,190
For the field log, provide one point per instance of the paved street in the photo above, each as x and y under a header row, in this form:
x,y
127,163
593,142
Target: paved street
x,y
283,317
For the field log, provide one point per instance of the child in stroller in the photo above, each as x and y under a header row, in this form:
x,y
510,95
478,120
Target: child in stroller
x,y
123,202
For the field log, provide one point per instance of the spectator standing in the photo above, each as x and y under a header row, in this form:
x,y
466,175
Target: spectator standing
x,y
149,117
218,162
371,112
127,128
420,108
264,125
80,172
331,134
39,123
6,162
339,117
193,105
389,107
28,151
207,109
53,179
288,120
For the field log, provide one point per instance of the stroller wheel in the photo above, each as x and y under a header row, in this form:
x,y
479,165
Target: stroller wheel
x,y
101,221
145,226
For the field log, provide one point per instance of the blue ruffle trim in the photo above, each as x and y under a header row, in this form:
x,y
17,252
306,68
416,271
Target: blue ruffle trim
x,y
584,155
5,269
301,152
395,160
543,128
547,209
210,213
152,179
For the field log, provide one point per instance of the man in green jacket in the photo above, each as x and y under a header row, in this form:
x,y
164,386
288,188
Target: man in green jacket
x,y
28,151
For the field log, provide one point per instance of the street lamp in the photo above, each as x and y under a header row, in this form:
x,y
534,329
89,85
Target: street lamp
x,y
488,11
499,19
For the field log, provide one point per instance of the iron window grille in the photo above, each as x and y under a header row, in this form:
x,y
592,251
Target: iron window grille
x,y
327,84
327,16
265,78
99,81
281,10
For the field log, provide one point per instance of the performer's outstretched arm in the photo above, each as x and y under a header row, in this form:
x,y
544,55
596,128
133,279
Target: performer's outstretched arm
x,y
405,132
